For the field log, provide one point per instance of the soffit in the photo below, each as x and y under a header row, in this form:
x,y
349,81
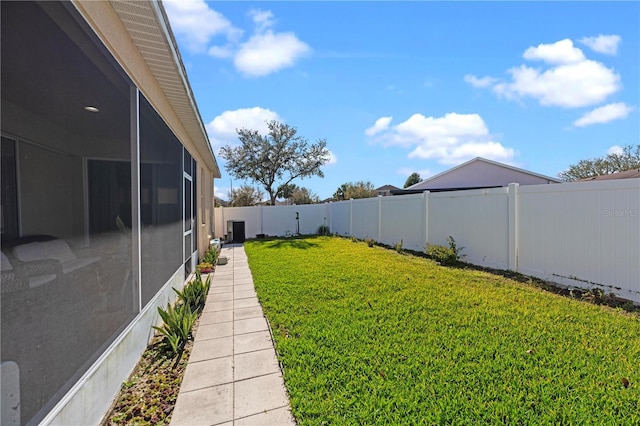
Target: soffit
x,y
148,28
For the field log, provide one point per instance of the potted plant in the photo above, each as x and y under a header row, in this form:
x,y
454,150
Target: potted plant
x,y
205,267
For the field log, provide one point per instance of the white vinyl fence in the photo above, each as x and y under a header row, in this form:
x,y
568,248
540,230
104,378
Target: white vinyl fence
x,y
583,234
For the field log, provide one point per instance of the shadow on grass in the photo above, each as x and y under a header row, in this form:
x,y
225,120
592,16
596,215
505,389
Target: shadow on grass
x,y
302,242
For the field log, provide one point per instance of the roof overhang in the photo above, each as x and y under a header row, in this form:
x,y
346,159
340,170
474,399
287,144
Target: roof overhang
x,y
147,26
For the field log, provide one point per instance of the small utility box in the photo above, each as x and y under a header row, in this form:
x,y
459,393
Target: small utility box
x,y
235,231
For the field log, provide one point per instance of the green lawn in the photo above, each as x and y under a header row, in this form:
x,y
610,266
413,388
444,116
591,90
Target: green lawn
x,y
371,336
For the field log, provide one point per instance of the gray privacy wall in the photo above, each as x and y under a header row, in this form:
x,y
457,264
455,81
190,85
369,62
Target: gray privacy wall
x,y
582,234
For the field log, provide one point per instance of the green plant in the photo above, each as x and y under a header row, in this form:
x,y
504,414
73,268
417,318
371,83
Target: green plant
x,y
194,293
398,246
178,321
370,242
354,239
129,383
594,295
211,255
323,230
447,256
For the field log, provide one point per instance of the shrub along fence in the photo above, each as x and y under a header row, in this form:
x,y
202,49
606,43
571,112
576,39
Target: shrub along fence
x,y
582,234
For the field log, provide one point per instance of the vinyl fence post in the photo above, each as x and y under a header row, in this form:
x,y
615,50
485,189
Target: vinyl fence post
x,y
223,225
260,219
350,217
513,226
292,217
379,218
425,217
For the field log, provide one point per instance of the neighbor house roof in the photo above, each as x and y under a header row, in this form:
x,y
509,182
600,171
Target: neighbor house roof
x,y
628,174
480,173
387,188
147,26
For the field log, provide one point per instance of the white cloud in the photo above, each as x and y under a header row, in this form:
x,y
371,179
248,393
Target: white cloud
x,y
221,192
380,125
566,79
480,82
450,139
560,52
604,114
262,18
222,129
268,52
263,53
569,86
197,24
221,51
332,159
606,44
615,149
490,150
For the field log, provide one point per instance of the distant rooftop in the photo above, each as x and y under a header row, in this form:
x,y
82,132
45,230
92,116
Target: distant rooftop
x,y
387,188
628,174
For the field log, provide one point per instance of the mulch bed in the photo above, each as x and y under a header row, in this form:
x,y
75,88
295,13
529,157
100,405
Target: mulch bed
x,y
149,395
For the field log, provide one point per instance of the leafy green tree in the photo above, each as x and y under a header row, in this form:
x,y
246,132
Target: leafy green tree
x,y
246,195
220,202
628,159
286,191
412,179
295,194
354,190
303,196
339,195
276,159
361,189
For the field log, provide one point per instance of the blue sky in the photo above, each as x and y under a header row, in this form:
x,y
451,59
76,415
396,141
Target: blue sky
x,y
401,87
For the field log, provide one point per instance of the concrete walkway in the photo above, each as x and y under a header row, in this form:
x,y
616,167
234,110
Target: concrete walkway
x,y
233,376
